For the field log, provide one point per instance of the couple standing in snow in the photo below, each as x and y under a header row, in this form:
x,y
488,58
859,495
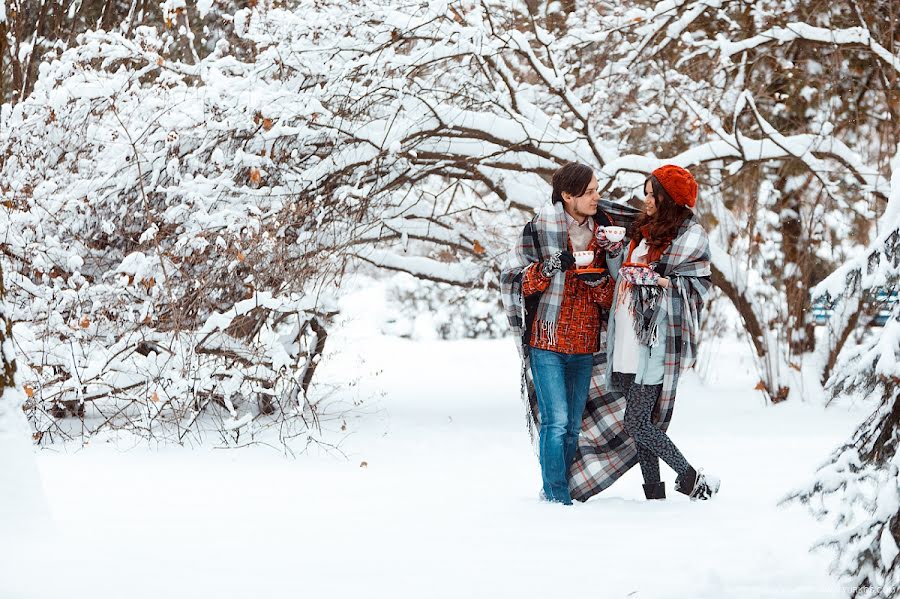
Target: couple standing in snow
x,y
602,351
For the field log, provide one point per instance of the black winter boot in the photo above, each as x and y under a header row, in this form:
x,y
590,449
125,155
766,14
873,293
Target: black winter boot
x,y
655,490
697,485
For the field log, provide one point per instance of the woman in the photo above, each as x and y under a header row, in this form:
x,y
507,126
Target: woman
x,y
654,324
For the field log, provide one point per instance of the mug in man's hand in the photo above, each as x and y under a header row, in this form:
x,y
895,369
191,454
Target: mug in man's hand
x,y
583,259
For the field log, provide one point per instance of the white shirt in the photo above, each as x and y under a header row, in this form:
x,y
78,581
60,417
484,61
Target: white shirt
x,y
580,234
627,346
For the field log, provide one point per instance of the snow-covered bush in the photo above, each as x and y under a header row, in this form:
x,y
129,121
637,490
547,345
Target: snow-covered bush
x,y
10,396
168,247
858,489
23,511
450,311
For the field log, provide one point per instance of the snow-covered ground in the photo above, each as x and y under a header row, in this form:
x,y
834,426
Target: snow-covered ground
x,y
446,505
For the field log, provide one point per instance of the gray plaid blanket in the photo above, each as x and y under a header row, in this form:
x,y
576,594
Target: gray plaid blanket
x,y
605,451
533,246
549,225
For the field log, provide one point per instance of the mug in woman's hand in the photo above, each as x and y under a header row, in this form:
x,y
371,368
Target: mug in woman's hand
x,y
614,233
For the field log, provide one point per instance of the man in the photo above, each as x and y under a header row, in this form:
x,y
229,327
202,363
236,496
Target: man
x,y
559,316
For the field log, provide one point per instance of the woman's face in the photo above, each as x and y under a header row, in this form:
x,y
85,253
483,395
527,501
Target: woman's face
x,y
649,200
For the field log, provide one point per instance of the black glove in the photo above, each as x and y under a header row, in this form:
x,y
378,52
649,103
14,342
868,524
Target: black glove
x,y
563,261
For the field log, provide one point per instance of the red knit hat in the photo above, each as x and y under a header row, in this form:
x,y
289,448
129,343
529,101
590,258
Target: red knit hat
x,y
678,183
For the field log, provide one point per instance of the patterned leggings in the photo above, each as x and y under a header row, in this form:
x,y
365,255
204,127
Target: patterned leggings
x,y
651,442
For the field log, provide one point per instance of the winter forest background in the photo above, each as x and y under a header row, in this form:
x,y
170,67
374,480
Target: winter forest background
x,y
189,188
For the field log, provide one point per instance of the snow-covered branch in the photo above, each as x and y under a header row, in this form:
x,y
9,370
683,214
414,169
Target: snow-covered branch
x,y
852,36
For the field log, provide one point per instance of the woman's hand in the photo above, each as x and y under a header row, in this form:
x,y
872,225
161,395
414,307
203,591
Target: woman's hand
x,y
612,248
639,275
663,282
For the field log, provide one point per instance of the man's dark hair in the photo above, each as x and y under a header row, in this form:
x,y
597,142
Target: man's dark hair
x,y
572,178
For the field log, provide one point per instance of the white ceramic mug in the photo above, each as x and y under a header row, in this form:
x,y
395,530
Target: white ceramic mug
x,y
614,233
583,259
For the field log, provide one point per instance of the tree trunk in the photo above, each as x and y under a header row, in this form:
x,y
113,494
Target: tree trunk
x,y
771,363
24,514
2,55
183,33
7,362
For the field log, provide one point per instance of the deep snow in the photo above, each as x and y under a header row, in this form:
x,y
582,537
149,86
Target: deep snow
x,y
446,505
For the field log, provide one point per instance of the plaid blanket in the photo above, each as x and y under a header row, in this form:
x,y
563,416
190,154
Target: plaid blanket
x,y
552,232
605,450
534,246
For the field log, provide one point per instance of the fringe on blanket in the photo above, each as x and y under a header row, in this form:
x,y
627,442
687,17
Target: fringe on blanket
x,y
548,331
525,361
643,303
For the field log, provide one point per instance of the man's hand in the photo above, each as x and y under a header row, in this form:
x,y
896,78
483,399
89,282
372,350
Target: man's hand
x,y
563,261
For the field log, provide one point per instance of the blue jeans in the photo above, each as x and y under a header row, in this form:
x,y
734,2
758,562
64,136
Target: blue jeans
x,y
561,382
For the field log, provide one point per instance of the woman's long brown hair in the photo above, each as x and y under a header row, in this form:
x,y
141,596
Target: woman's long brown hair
x,y
659,230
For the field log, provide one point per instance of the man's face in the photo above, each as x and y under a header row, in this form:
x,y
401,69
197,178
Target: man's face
x,y
585,205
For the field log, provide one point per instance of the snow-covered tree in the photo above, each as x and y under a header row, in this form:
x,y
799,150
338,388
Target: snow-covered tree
x,y
452,115
859,487
415,137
